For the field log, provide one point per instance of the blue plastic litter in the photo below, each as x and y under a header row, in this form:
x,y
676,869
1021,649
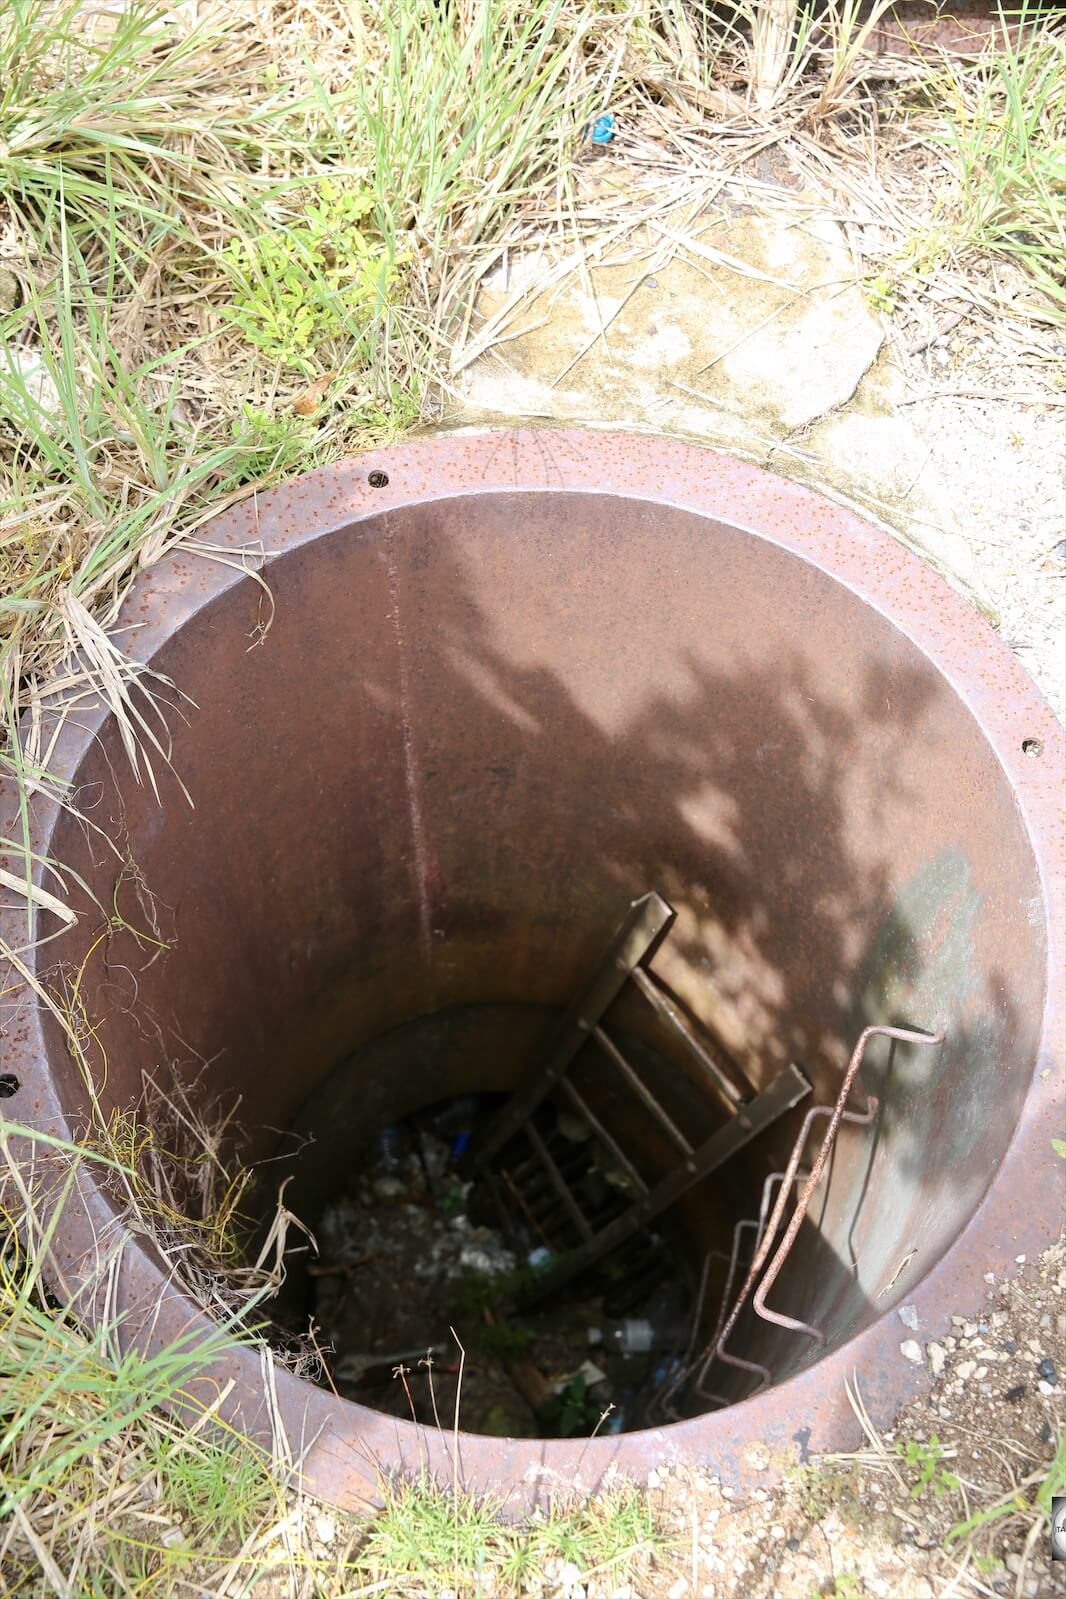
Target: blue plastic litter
x,y
603,129
389,1149
461,1143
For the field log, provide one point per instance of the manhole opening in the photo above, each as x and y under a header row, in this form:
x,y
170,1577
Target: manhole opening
x,y
590,1253
483,719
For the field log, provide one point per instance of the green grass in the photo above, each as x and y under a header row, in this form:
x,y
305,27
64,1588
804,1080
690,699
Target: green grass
x,y
926,1462
1006,138
105,1490
205,240
92,1472
449,1538
999,124
1018,1503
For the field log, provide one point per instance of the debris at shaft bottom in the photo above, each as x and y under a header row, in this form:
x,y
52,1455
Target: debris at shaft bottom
x,y
416,1275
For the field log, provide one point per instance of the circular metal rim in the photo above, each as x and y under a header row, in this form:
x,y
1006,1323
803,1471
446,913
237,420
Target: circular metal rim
x,y
343,1447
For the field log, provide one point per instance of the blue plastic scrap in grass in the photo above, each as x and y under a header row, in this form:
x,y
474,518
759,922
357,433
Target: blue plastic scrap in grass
x,y
603,129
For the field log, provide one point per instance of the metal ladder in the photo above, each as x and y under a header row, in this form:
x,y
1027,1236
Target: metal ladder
x,y
646,925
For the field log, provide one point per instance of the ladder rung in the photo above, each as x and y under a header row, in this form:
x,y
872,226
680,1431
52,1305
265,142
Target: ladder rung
x,y
558,1182
665,1006
603,1135
647,920
641,1089
775,1100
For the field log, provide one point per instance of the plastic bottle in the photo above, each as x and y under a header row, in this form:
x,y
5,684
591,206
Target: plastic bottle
x,y
630,1335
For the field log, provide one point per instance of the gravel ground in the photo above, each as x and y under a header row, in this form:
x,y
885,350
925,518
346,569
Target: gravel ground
x,y
1003,463
851,1526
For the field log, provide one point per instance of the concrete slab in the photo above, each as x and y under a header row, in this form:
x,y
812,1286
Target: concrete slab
x,y
752,333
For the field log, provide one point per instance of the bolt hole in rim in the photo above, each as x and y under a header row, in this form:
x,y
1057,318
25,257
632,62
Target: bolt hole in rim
x,y
1032,747
9,1085
562,642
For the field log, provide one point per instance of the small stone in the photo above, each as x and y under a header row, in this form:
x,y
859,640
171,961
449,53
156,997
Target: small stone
x,y
1013,1562
966,1370
792,1544
908,1315
937,1356
969,1329
777,1532
1014,1394
654,1480
9,290
990,1276
325,1529
1011,1347
1019,1260
1045,1432
1046,1369
950,1343
1044,1388
678,1589
911,1351
982,1372
36,378
389,1188
729,1493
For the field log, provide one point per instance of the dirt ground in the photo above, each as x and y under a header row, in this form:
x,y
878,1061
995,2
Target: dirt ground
x,y
863,1525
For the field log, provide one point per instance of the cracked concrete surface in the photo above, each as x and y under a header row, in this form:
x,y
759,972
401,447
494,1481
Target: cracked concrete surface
x,y
752,333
